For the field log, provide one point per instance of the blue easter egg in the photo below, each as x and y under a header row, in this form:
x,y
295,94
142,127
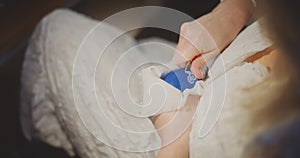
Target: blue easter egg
x,y
181,79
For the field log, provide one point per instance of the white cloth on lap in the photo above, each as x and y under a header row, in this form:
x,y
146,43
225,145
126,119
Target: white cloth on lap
x,y
48,111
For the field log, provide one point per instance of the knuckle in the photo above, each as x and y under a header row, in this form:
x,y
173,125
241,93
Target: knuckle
x,y
185,27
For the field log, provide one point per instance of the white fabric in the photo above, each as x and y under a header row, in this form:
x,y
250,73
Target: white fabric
x,y
151,77
246,44
48,111
217,126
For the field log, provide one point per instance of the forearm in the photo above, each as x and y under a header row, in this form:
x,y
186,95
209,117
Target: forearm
x,y
227,20
238,12
179,148
174,129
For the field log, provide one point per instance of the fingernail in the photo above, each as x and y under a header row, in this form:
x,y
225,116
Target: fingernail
x,y
197,72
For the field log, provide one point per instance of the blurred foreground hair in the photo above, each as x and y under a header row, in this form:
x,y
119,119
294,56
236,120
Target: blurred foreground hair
x,y
276,105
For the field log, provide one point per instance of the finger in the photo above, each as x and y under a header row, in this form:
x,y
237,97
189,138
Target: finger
x,y
197,66
184,52
201,61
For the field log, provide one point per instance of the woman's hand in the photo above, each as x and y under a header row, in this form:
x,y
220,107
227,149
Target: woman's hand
x,y
203,39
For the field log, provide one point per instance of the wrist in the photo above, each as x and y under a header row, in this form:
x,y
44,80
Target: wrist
x,y
227,20
238,12
236,15
221,29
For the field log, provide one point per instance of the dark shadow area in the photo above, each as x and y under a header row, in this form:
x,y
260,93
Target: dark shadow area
x,y
192,8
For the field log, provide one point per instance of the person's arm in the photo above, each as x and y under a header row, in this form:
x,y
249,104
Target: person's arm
x,y
208,35
227,20
223,24
174,128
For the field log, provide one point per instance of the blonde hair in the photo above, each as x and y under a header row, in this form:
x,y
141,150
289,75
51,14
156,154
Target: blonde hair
x,y
279,96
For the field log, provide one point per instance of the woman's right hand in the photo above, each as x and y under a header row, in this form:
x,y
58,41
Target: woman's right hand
x,y
204,38
196,45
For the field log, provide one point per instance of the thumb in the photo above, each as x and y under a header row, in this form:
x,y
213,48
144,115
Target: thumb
x,y
199,65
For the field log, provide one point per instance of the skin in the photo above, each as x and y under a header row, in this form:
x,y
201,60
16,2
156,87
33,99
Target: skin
x,y
231,15
223,24
176,123
180,147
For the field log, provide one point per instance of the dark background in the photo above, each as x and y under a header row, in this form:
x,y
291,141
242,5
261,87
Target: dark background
x,y
17,20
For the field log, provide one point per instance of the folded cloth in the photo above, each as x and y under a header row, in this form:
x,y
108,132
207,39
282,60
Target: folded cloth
x,y
50,111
